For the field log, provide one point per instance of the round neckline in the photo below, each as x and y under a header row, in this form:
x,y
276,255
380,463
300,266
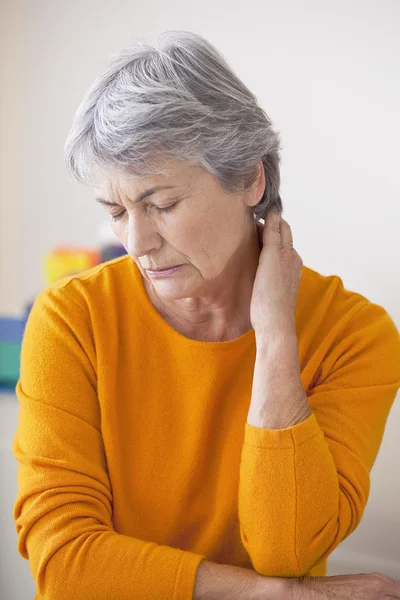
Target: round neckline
x,y
155,315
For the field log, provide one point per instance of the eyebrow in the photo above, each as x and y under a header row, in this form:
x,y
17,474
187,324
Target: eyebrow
x,y
141,196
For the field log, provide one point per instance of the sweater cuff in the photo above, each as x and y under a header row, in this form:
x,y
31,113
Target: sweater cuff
x,y
282,438
186,575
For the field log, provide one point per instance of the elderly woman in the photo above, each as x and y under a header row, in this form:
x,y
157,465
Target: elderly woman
x,y
198,418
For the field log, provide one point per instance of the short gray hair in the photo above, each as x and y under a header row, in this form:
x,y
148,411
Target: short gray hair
x,y
181,100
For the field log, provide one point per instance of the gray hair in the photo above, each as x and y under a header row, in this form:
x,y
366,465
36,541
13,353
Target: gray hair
x,y
179,100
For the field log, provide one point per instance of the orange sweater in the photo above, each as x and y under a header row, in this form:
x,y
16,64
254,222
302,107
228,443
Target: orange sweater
x,y
135,460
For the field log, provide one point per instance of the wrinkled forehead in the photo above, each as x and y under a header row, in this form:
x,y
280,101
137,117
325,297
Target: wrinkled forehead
x,y
171,172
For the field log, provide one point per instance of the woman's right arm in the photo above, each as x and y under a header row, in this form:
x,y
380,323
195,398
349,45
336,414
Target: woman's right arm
x,y
64,506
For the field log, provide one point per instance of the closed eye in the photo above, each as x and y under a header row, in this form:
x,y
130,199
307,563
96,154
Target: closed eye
x,y
158,209
118,216
166,209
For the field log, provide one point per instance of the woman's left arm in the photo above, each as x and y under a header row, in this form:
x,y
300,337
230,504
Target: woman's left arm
x,y
304,485
306,458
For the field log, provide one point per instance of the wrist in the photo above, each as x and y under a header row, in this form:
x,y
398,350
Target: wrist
x,y
279,356
276,336
276,328
273,588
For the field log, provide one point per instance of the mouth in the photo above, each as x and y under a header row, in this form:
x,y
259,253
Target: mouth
x,y
161,269
164,272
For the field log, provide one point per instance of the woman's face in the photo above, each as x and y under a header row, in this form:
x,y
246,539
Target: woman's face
x,y
205,228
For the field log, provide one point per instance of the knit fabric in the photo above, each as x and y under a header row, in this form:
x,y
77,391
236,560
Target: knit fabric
x,y
135,460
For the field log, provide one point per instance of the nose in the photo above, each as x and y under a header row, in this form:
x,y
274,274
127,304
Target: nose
x,y
142,236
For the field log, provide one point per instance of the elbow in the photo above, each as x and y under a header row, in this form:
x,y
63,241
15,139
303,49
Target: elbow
x,y
60,572
53,579
278,559
283,566
273,559
279,567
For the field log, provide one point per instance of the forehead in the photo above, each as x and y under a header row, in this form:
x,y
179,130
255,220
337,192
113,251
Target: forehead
x,y
172,173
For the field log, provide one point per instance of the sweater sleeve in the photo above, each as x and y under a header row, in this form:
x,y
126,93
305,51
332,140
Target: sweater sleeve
x,y
63,509
303,489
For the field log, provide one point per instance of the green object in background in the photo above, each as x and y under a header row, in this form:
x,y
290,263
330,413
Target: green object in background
x,y
9,362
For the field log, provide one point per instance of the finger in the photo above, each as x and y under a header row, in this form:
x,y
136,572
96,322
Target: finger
x,y
272,229
286,234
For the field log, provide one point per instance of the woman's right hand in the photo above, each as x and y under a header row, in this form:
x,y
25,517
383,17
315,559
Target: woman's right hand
x,y
363,586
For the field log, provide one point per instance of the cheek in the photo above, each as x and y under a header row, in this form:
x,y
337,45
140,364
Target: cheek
x,y
206,250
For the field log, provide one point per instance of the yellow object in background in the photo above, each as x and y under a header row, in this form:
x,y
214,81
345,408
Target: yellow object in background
x,y
65,261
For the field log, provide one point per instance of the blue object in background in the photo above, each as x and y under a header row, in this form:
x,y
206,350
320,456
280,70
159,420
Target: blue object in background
x,y
111,251
11,329
11,334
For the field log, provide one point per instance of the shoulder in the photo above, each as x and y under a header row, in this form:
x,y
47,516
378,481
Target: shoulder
x,y
353,340
327,294
94,286
329,308
82,305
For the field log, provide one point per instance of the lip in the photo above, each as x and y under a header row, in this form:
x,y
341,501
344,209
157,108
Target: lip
x,y
163,269
163,272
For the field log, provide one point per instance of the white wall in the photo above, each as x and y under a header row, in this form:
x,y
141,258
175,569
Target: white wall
x,y
326,72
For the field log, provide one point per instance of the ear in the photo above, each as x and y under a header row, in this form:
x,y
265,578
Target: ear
x,y
255,193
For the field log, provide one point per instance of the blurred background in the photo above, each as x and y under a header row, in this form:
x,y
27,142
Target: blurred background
x,y
327,74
